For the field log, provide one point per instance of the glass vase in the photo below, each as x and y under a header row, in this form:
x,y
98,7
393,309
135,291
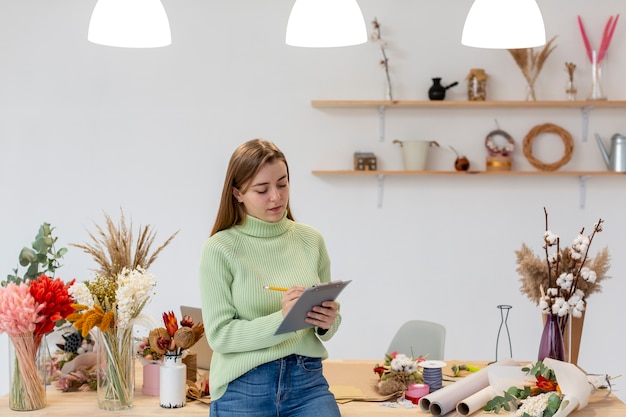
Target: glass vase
x,y
596,92
27,388
504,317
116,370
551,344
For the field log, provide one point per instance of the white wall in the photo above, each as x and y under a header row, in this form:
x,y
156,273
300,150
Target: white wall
x,y
87,129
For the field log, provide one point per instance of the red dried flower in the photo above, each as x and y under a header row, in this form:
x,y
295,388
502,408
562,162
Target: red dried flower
x,y
546,384
171,323
53,295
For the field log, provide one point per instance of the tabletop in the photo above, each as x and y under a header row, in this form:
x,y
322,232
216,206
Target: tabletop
x,y
341,374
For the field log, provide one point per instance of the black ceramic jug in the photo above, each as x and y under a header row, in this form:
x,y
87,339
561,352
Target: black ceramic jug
x,y
438,91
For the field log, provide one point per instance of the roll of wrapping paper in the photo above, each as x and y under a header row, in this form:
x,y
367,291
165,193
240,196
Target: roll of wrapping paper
x,y
446,399
476,401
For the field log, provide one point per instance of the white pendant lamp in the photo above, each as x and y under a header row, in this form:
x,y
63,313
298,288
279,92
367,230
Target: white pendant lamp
x,y
325,23
504,24
130,24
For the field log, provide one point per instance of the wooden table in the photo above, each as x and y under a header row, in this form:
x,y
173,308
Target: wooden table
x,y
339,373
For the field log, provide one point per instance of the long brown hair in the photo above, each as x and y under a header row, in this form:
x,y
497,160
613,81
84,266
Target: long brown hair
x,y
244,164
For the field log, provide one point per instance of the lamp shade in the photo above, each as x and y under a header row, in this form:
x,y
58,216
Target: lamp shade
x,y
130,24
504,24
325,23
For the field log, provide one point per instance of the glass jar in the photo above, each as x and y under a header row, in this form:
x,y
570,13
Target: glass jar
x,y
477,85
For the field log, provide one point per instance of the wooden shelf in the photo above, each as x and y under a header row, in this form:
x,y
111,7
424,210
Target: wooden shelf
x,y
466,173
382,105
580,104
380,175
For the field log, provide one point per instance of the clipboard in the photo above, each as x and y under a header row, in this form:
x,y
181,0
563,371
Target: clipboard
x,y
311,297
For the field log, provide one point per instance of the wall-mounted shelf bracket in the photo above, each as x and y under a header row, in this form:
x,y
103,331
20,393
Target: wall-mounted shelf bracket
x,y
585,119
381,122
381,183
583,190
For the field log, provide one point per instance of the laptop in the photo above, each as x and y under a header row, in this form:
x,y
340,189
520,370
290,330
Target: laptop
x,y
202,349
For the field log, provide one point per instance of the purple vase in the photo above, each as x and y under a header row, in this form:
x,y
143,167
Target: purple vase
x,y
551,345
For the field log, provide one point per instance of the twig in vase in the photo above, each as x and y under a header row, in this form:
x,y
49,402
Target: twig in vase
x,y
376,37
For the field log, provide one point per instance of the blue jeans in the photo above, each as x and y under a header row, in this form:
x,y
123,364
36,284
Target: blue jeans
x,y
293,386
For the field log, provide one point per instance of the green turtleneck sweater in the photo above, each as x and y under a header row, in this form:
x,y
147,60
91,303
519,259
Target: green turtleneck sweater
x,y
240,317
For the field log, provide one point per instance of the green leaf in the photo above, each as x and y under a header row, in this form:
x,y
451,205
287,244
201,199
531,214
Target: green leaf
x,y
27,255
61,252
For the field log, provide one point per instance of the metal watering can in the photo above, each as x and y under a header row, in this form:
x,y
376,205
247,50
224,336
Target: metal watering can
x,y
615,158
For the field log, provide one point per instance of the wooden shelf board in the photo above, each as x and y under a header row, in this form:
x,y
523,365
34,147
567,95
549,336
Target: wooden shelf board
x,y
468,104
482,173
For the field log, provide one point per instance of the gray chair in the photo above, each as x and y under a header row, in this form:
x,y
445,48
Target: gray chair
x,y
419,338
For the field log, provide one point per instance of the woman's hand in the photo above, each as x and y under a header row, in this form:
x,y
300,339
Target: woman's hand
x,y
290,297
323,316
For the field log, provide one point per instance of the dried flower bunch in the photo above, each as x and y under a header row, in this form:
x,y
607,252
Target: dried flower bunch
x,y
122,286
561,283
172,338
570,67
112,248
397,373
384,62
531,63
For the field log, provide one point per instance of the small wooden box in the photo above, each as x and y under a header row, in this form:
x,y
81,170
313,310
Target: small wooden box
x,y
364,161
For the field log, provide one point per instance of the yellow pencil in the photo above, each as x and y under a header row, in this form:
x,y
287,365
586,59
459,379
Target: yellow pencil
x,y
271,288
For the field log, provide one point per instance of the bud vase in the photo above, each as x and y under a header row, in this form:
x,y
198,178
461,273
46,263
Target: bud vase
x,y
596,92
551,344
116,369
27,372
172,381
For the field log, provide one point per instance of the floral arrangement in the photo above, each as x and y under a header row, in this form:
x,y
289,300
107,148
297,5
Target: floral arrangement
x,y
531,63
114,299
397,372
174,339
30,307
540,397
561,283
607,35
384,62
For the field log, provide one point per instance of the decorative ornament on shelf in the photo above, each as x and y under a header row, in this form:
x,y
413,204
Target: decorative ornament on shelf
x,y
30,308
376,36
477,85
531,63
461,163
561,282
596,57
112,303
499,158
566,138
397,373
570,89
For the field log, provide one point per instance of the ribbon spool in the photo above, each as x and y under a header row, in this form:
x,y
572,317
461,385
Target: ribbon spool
x,y
433,376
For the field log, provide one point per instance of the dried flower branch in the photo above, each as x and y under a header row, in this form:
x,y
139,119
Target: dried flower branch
x,y
112,247
531,63
570,67
562,282
377,37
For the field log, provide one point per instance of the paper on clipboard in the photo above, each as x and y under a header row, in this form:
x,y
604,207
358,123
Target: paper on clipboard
x,y
311,297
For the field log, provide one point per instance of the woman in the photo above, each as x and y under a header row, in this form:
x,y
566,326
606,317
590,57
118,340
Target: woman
x,y
255,243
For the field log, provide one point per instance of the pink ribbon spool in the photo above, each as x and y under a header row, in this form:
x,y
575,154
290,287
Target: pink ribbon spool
x,y
416,391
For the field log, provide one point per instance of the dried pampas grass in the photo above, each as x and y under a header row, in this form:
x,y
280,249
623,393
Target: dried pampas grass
x,y
531,63
535,278
112,247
